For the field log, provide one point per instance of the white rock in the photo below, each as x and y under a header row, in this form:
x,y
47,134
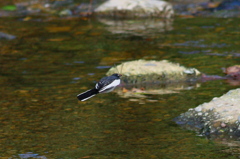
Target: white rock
x,y
148,7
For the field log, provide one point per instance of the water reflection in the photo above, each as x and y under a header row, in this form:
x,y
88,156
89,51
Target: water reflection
x,y
144,92
31,155
137,27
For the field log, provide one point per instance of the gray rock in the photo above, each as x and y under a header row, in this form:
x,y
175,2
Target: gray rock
x,y
219,116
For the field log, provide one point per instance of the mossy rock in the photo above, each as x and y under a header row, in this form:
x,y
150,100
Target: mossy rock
x,y
141,71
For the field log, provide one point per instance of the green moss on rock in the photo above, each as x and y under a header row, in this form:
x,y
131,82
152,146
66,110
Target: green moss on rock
x,y
140,71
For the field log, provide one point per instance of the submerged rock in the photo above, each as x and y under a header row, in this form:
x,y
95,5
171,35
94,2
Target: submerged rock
x,y
135,9
221,116
141,71
6,36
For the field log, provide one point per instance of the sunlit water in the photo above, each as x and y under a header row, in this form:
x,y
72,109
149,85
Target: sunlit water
x,y
51,62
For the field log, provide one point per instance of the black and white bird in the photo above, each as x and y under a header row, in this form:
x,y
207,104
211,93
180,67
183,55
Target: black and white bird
x,y
105,85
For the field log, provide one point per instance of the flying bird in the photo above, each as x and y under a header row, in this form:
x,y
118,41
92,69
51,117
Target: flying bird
x,y
105,85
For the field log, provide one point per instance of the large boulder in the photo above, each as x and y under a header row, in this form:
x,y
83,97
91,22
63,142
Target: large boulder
x,y
135,8
220,116
150,71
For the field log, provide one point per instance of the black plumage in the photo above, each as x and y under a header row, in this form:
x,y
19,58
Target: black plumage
x,y
105,85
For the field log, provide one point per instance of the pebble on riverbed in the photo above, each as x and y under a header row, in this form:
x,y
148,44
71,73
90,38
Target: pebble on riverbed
x,y
6,36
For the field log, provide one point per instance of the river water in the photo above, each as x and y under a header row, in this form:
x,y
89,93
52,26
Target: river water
x,y
53,60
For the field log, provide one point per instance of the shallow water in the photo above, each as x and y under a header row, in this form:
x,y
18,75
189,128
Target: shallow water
x,y
51,61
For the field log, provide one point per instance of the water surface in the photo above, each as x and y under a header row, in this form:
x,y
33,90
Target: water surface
x,y
51,61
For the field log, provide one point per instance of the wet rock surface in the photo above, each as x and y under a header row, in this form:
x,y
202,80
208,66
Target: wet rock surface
x,y
218,117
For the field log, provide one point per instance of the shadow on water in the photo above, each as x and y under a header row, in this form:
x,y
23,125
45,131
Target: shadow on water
x,y
50,62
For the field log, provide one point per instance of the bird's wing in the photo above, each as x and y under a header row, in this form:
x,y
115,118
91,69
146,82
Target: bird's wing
x,y
105,81
109,87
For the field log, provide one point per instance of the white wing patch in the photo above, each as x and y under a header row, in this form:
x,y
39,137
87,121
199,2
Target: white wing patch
x,y
96,86
111,86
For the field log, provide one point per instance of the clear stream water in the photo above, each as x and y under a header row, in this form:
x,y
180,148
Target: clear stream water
x,y
51,61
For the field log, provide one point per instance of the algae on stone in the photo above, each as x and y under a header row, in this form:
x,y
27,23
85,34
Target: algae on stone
x,y
140,71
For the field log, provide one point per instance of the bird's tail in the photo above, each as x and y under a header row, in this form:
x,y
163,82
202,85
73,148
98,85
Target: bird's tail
x,y
88,94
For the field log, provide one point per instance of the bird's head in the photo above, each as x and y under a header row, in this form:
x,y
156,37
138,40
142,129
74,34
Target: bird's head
x,y
117,75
